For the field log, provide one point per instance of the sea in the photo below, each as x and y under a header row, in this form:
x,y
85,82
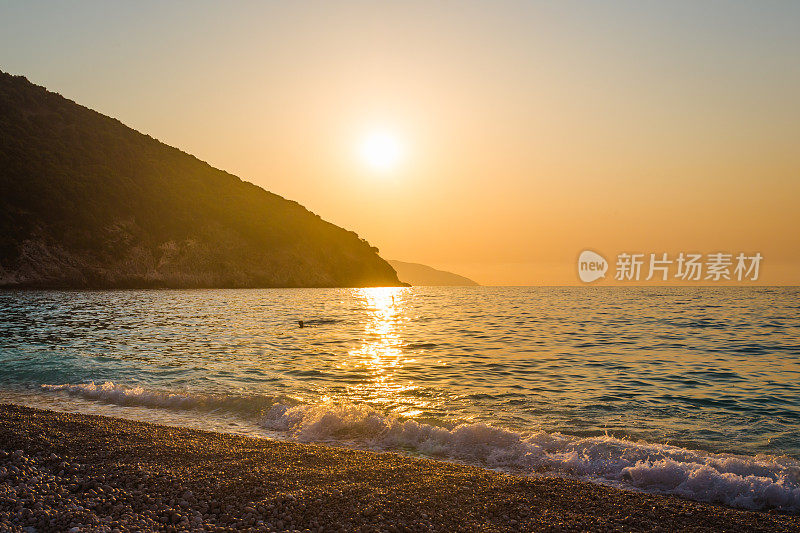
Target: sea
x,y
692,391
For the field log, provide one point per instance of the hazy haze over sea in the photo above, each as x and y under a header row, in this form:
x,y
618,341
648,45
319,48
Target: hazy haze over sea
x,y
694,391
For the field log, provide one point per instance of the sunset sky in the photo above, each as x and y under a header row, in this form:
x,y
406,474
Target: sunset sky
x,y
494,139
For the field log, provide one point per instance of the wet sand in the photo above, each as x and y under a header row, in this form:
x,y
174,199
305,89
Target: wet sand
x,y
68,472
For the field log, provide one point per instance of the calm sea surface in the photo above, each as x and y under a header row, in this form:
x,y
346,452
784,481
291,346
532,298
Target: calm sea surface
x,y
618,384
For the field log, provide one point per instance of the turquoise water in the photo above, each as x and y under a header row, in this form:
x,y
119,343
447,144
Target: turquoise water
x,y
599,382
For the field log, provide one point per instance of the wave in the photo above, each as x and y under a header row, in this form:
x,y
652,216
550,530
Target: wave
x,y
748,482
419,346
322,321
247,406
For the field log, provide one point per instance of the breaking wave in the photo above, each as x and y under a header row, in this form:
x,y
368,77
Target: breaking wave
x,y
748,482
109,392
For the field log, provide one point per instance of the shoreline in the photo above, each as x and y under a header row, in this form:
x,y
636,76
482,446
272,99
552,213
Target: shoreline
x,y
60,471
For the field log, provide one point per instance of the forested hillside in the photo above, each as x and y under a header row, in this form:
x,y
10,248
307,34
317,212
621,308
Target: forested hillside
x,y
87,202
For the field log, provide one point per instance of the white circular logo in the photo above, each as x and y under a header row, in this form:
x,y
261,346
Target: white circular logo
x,y
591,266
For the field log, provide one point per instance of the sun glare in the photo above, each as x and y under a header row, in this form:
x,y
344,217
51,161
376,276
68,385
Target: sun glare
x,y
381,151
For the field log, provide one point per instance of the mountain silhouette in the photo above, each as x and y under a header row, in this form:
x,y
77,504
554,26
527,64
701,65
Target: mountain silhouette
x,y
89,203
417,274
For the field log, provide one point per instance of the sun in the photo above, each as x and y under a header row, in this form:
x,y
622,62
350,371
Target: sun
x,y
381,151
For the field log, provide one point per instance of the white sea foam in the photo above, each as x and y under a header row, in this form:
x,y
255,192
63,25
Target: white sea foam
x,y
113,393
761,482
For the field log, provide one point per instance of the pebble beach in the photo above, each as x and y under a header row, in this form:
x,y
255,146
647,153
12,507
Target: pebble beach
x,y
72,472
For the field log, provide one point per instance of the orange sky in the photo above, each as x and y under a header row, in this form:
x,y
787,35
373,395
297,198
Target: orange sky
x,y
530,131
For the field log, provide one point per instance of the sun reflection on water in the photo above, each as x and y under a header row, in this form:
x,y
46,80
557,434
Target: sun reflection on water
x,y
380,356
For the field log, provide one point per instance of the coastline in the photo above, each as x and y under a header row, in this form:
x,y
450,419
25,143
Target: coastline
x,y
61,471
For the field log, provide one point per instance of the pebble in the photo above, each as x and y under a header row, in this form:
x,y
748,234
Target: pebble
x,y
167,479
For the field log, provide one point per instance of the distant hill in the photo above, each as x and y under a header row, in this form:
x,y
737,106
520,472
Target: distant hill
x,y
416,274
89,203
